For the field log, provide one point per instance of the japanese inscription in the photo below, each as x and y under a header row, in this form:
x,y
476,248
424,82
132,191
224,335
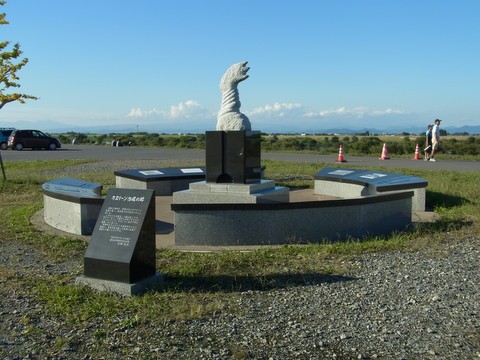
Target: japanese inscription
x,y
121,218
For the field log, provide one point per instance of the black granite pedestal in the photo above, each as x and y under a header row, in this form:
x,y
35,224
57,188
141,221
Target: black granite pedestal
x,y
233,157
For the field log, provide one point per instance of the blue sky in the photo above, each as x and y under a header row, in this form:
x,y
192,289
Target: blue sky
x,y
313,64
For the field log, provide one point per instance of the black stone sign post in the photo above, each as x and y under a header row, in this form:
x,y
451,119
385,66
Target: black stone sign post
x,y
122,247
233,156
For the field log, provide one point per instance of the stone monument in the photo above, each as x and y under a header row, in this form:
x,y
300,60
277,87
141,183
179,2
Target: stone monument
x,y
233,151
233,159
121,253
235,206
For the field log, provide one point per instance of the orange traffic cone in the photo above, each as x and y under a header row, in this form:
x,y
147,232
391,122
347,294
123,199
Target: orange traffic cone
x,y
384,155
340,155
417,153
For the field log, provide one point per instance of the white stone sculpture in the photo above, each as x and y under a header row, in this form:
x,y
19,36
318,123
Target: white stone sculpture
x,y
229,117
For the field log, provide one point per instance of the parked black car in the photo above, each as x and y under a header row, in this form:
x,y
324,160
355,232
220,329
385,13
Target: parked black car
x,y
34,139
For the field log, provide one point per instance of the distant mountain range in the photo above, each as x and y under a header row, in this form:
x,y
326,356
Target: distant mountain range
x,y
57,127
472,130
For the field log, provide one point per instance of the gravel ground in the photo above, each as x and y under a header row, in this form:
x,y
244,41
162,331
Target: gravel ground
x,y
394,305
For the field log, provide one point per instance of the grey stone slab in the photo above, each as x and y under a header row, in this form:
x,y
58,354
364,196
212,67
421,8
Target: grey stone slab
x,y
203,186
309,222
277,194
248,188
419,199
220,228
122,182
154,282
74,217
339,189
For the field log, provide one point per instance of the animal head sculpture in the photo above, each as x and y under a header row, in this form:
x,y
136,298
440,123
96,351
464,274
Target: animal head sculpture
x,y
229,116
235,74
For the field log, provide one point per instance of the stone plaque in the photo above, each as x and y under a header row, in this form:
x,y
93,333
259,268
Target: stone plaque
x,y
122,247
174,173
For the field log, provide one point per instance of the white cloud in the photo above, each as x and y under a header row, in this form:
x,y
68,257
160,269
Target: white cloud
x,y
190,115
354,112
295,110
184,110
139,113
187,109
388,112
192,109
276,109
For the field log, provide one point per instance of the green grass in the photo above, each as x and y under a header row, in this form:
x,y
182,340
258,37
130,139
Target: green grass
x,y
199,284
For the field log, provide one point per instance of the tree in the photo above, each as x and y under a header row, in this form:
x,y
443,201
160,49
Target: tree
x,y
10,64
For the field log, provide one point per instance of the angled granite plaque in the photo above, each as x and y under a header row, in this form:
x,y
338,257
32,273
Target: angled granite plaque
x,y
75,187
122,247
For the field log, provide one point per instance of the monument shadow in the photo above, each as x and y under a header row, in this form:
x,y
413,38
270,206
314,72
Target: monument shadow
x,y
436,199
163,227
235,283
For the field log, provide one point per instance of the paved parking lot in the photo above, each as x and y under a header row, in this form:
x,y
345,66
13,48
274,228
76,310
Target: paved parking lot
x,y
143,153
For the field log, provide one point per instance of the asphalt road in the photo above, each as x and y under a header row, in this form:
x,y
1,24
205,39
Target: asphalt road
x,y
142,153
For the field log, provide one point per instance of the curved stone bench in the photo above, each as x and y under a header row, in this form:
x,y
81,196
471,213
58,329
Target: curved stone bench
x,y
164,181
348,183
287,223
72,205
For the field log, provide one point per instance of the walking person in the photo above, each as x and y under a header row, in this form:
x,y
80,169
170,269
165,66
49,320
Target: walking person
x,y
428,142
435,139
